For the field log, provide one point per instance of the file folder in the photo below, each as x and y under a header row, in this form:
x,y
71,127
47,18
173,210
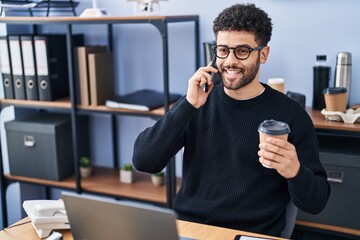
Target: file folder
x,y
101,77
17,67
27,49
5,68
52,65
83,70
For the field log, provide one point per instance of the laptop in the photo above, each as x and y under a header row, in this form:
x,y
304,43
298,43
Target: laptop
x,y
93,218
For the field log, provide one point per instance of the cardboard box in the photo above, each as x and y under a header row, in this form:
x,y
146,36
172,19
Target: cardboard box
x,y
41,146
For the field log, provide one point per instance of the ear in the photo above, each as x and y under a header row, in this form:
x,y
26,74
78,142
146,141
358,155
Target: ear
x,y
264,54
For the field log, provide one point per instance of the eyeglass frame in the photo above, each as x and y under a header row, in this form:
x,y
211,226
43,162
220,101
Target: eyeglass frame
x,y
258,48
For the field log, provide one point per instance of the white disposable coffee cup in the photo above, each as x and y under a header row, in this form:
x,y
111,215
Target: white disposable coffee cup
x,y
277,84
273,128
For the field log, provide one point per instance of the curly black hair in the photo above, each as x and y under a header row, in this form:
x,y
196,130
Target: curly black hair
x,y
246,17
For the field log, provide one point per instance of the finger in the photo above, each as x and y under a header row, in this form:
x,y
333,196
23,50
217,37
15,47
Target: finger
x,y
269,163
210,69
278,142
273,156
271,149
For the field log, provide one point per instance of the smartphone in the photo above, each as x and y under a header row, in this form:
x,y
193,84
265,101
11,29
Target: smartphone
x,y
216,77
244,237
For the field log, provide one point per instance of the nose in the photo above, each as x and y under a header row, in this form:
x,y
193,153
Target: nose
x,y
231,59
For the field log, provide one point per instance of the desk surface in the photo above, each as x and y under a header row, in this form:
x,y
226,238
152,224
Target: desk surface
x,y
186,229
320,122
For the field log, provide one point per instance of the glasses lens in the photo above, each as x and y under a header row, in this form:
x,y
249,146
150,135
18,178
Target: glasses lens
x,y
242,52
221,51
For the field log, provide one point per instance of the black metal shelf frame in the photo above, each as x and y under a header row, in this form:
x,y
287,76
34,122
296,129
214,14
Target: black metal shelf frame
x,y
161,23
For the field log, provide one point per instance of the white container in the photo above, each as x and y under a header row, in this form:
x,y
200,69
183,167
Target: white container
x,y
126,176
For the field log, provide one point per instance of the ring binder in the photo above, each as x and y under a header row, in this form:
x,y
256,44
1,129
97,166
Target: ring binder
x,y
31,85
51,65
17,67
5,68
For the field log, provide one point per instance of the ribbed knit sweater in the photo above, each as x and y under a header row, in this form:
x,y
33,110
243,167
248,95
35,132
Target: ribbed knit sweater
x,y
223,182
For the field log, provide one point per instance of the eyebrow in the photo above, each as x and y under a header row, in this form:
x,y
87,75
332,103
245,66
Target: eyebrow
x,y
241,45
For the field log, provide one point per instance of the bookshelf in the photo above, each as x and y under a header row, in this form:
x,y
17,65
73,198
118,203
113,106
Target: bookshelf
x,y
104,181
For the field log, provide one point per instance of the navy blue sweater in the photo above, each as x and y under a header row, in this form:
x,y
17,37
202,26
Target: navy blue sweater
x,y
223,182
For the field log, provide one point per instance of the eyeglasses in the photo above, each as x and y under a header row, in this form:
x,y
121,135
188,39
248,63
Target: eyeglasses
x,y
240,52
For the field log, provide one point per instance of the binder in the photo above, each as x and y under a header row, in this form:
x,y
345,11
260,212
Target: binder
x,y
17,67
52,65
83,70
5,68
31,85
101,77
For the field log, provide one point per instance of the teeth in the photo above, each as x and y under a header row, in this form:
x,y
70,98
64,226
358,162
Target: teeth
x,y
233,72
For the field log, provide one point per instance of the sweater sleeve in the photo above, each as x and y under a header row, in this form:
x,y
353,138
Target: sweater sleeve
x,y
155,146
309,189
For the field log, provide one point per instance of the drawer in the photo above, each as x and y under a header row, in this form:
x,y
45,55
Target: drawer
x,y
342,208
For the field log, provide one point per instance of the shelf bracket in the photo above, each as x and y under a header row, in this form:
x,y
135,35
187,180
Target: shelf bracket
x,y
161,25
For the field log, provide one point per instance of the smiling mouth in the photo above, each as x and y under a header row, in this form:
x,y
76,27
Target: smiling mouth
x,y
232,71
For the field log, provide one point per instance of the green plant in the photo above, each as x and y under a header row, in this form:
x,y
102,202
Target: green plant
x,y
128,167
159,174
85,162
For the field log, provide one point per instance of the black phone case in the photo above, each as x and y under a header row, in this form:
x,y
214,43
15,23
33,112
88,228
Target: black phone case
x,y
216,77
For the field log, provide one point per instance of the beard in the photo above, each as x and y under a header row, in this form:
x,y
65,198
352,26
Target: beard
x,y
248,73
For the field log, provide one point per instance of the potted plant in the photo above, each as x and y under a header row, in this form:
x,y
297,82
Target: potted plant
x,y
85,167
157,178
126,173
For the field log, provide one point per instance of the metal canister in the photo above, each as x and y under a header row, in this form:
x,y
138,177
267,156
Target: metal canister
x,y
343,71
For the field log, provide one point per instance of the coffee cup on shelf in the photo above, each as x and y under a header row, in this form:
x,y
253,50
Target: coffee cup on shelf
x,y
277,84
273,128
335,99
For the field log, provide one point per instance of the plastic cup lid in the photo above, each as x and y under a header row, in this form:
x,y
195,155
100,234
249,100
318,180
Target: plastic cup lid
x,y
334,90
274,127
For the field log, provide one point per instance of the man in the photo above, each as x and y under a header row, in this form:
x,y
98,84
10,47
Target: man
x,y
224,180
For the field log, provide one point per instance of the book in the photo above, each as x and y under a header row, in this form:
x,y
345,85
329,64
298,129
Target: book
x,y
101,77
142,100
83,70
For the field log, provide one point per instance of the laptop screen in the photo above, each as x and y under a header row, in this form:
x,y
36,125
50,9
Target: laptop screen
x,y
100,218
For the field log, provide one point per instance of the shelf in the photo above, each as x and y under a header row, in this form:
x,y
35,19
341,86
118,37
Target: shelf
x,y
96,20
61,103
68,183
106,181
65,104
104,109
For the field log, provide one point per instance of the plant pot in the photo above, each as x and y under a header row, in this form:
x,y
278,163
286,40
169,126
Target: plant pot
x,y
157,180
126,176
85,172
